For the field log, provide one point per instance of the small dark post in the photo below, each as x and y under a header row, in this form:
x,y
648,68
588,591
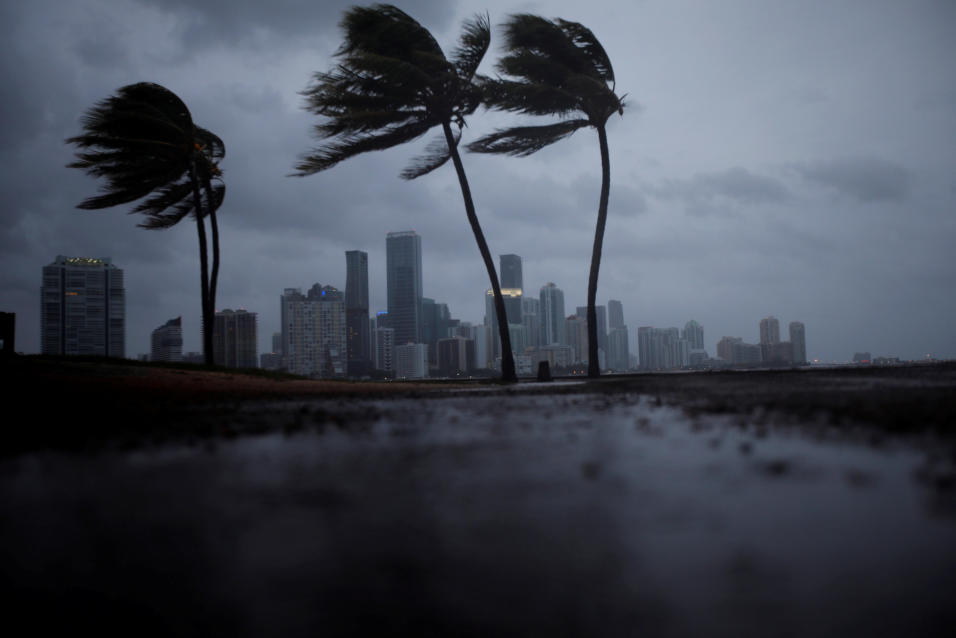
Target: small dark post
x,y
8,326
544,371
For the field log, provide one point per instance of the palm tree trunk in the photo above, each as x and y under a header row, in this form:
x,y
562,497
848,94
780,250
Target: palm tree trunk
x,y
508,372
214,226
594,365
207,318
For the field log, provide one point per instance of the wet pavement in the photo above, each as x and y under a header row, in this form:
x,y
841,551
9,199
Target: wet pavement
x,y
579,512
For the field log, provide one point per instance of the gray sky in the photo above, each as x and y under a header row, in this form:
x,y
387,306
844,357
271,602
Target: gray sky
x,y
787,158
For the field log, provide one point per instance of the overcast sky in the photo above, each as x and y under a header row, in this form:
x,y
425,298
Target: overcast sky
x,y
788,158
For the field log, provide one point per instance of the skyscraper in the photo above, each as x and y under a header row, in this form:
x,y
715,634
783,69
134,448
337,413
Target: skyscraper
x,y
314,331
552,315
694,333
798,339
83,308
615,314
769,330
601,313
403,255
167,341
235,339
510,267
356,312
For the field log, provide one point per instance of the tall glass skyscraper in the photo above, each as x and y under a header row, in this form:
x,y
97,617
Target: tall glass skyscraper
x,y
403,256
510,267
83,308
356,312
551,311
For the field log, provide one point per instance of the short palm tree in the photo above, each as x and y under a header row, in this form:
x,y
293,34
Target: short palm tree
x,y
144,143
393,83
559,69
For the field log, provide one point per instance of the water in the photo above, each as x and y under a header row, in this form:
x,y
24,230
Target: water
x,y
500,513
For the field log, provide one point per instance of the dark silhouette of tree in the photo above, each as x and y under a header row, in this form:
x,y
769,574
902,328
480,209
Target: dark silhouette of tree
x,y
144,143
392,84
559,69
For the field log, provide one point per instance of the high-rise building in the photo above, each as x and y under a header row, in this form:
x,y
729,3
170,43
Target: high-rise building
x,y
411,361
531,319
617,349
403,256
167,341
356,312
662,348
83,308
552,315
769,330
235,339
314,342
576,331
510,268
694,333
456,355
512,298
798,339
615,314
385,349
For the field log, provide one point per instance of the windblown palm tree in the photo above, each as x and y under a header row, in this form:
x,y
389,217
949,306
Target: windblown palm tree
x,y
144,143
559,69
393,83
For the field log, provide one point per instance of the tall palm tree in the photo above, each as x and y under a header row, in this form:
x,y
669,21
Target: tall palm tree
x,y
144,143
559,69
392,84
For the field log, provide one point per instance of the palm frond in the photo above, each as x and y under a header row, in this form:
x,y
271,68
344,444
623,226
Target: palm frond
x,y
583,38
348,146
528,98
436,154
474,42
521,141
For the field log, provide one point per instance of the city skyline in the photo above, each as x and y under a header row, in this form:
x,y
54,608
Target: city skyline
x,y
759,167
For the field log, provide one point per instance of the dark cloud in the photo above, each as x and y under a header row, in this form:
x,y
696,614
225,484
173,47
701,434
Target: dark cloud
x,y
865,179
716,190
260,25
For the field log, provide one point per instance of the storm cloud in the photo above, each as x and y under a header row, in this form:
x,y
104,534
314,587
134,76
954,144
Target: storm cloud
x,y
781,158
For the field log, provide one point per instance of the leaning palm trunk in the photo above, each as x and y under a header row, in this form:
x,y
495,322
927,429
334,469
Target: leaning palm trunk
x,y
392,85
208,321
594,367
508,372
559,68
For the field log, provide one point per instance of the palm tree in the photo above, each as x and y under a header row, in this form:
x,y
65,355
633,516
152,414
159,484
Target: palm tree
x,y
144,143
393,83
559,69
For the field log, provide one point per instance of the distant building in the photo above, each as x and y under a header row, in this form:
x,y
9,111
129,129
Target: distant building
x,y
358,339
798,337
769,330
615,314
694,333
314,332
862,357
167,341
725,348
617,349
531,320
83,308
411,361
403,255
385,350
235,339
456,355
662,348
510,269
576,333
552,315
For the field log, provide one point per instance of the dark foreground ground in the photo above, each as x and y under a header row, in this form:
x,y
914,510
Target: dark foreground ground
x,y
787,503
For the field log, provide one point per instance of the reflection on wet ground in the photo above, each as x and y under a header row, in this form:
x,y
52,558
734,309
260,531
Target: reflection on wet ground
x,y
495,513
